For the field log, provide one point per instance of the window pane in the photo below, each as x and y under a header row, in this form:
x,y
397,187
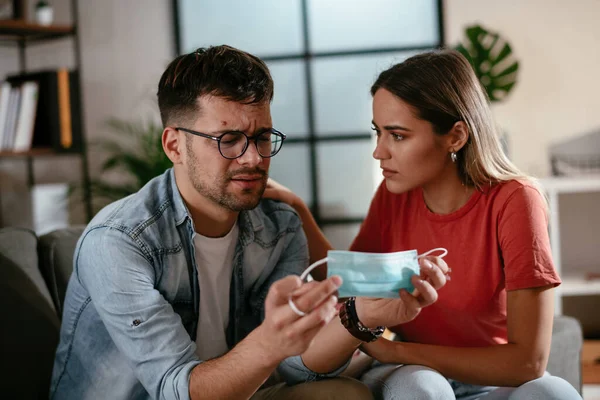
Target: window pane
x,y
261,27
346,173
291,168
336,25
289,103
341,236
341,91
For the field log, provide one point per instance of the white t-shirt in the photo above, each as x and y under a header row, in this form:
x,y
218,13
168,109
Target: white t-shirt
x,y
214,260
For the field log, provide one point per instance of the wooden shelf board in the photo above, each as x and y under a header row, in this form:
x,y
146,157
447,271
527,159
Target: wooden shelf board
x,y
11,30
29,153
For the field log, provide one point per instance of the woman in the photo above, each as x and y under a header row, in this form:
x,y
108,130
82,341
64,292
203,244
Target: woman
x,y
448,184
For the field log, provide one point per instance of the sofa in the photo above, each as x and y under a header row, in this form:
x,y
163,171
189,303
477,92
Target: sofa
x,y
34,272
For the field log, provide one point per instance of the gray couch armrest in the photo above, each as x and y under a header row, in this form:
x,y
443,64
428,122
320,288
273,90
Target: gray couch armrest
x,y
19,245
55,251
29,326
565,351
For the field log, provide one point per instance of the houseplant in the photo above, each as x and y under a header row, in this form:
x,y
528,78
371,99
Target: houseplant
x,y
44,13
492,59
494,63
134,156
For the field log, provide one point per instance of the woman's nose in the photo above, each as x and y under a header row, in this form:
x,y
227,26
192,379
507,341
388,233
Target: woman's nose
x,y
381,152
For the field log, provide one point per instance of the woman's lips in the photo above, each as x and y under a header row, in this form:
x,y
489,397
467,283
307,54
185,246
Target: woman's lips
x,y
388,172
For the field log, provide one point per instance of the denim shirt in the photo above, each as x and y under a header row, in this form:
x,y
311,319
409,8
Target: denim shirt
x,y
131,308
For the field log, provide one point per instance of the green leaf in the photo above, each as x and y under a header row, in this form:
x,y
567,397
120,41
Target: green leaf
x,y
492,60
509,70
134,152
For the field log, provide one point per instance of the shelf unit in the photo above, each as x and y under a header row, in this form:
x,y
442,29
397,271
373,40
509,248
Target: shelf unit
x,y
23,33
12,30
575,283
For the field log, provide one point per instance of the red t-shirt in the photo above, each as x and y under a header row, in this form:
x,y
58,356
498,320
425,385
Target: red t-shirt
x,y
497,241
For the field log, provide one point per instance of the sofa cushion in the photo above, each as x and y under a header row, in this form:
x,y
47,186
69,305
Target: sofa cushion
x,y
20,246
55,251
565,351
30,326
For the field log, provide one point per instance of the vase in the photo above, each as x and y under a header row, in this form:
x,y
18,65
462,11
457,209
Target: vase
x,y
44,15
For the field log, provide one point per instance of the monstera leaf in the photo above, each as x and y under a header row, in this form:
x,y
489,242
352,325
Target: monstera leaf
x,y
493,61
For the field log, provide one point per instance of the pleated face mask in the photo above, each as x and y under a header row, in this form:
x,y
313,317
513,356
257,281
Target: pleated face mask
x,y
372,274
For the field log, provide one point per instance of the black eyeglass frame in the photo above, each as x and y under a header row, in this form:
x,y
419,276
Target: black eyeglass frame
x,y
248,139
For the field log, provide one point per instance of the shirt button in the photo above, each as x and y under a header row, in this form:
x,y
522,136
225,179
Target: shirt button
x,y
136,322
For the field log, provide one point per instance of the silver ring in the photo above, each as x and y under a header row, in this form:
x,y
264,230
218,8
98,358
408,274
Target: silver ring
x,y
295,309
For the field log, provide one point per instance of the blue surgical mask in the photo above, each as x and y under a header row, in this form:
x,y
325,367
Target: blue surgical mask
x,y
372,274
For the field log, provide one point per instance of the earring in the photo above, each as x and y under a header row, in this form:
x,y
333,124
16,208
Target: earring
x,y
453,157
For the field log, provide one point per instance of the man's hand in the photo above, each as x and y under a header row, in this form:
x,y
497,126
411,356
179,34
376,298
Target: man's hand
x,y
390,312
284,333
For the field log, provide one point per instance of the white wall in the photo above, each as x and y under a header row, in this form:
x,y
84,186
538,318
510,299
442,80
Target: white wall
x,y
126,45
558,45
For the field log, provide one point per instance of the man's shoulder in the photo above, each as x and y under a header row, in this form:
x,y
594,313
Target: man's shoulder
x,y
276,209
275,212
149,208
271,220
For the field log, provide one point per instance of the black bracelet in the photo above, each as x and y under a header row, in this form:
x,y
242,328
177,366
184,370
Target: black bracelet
x,y
352,314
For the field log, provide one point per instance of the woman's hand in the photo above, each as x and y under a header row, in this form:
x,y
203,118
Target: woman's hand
x,y
390,312
277,191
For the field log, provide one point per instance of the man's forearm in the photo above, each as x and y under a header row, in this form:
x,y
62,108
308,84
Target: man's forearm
x,y
237,374
331,349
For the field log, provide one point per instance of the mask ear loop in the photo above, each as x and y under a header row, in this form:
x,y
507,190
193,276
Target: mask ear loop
x,y
314,265
443,250
444,254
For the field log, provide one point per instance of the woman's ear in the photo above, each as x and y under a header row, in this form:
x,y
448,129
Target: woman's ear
x,y
457,137
173,142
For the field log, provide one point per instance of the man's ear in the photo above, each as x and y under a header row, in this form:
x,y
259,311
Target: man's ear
x,y
457,137
173,142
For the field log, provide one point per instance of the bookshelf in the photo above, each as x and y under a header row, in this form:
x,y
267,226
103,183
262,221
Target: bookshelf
x,y
22,33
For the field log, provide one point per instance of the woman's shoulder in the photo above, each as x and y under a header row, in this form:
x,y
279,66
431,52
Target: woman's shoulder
x,y
516,193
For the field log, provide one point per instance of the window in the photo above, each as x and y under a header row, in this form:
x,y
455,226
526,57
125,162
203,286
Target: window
x,y
323,55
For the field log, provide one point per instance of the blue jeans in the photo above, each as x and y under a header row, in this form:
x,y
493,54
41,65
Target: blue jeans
x,y
416,382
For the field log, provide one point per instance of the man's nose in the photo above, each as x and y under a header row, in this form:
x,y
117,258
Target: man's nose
x,y
250,157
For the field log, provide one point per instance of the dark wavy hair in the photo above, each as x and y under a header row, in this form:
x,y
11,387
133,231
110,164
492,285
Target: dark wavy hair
x,y
221,71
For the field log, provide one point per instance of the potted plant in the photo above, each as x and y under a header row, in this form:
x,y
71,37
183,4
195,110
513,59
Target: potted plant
x,y
494,64
135,156
44,13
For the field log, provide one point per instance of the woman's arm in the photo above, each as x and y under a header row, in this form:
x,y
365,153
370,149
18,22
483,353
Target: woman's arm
x,y
523,358
318,244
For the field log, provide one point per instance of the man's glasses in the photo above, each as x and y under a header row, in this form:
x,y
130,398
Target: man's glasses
x,y
234,144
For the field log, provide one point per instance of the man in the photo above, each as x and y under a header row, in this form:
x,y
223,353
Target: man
x,y
181,290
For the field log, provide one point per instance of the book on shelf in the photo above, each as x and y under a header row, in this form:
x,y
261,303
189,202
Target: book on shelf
x,y
12,111
23,135
42,111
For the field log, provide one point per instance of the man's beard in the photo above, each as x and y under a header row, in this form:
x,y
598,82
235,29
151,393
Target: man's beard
x,y
216,191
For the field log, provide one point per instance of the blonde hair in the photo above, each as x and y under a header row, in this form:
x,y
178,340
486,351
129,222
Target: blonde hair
x,y
442,86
